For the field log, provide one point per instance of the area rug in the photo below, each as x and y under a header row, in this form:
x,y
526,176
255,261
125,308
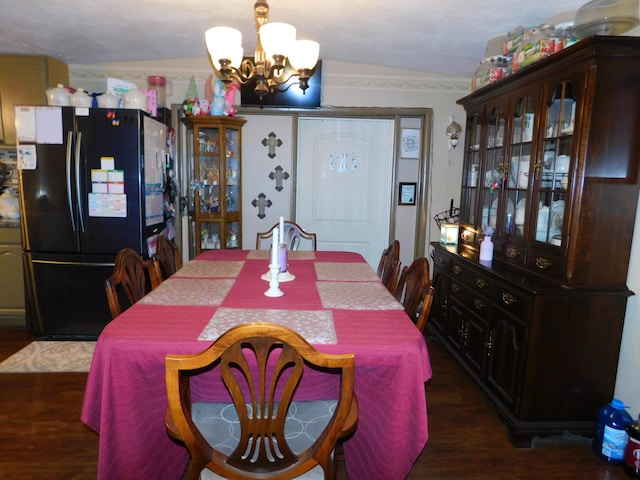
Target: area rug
x,y
51,356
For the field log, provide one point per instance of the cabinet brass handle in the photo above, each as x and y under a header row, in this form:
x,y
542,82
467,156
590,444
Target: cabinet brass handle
x,y
543,263
513,252
457,269
508,299
479,304
481,283
455,288
537,165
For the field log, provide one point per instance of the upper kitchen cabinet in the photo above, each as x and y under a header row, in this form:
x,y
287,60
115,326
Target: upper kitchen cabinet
x,y
551,164
215,193
23,81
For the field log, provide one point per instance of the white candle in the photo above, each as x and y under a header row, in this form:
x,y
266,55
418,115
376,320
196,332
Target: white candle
x,y
282,229
274,248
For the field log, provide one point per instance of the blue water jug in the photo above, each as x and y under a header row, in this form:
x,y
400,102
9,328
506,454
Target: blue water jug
x,y
611,435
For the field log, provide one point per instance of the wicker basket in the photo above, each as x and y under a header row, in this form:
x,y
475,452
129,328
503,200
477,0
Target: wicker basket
x,y
450,216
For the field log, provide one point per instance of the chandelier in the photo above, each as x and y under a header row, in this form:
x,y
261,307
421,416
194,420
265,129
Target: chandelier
x,y
276,45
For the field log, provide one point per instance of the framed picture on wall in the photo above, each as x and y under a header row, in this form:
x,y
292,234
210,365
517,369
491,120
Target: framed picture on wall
x,y
407,194
410,143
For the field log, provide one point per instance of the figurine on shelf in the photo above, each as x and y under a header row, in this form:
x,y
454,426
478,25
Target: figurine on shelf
x,y
215,205
213,176
232,238
231,203
218,103
230,99
191,102
215,241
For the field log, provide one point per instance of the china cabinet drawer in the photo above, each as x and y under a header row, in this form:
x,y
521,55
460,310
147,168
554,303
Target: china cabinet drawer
x,y
545,263
511,300
471,299
513,252
442,261
471,277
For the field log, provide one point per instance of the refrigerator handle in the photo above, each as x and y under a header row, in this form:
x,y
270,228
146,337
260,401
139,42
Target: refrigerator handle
x,y
78,182
68,165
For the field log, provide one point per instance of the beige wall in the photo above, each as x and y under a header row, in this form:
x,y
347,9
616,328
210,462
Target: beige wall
x,y
343,85
368,86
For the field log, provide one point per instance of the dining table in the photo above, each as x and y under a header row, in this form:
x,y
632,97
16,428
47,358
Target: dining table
x,y
335,300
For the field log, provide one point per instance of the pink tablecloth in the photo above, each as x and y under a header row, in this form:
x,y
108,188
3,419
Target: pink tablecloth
x,y
125,397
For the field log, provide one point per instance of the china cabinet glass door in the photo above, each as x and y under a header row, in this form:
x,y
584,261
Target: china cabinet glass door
x,y
554,170
495,170
232,196
207,178
518,184
472,180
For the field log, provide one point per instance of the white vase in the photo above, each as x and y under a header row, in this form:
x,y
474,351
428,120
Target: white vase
x,y
486,249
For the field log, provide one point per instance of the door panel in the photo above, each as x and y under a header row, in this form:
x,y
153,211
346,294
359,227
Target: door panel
x,y
344,183
267,143
101,136
51,310
48,196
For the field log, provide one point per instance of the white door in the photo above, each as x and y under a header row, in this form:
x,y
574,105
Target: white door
x,y
344,183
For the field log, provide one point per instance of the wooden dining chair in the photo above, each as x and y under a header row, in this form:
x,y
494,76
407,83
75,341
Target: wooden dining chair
x,y
293,233
414,288
389,266
132,278
263,433
425,309
167,257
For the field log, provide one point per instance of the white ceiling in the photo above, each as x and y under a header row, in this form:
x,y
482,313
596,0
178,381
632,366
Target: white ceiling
x,y
436,36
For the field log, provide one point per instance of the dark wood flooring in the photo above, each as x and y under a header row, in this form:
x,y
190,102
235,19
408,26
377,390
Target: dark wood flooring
x,y
42,437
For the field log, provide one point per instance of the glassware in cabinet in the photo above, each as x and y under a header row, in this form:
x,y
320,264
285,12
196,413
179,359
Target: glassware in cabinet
x,y
495,170
210,235
232,172
522,151
555,165
208,172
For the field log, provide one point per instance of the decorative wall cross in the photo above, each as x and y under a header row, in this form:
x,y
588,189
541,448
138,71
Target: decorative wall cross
x,y
278,175
272,142
261,202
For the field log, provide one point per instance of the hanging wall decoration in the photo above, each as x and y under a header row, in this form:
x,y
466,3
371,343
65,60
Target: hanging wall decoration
x,y
272,142
279,175
261,203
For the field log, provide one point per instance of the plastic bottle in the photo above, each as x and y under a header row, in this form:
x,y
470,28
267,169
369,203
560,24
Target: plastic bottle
x,y
486,249
611,432
631,463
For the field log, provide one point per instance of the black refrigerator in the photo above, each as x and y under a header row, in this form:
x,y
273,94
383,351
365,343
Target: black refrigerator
x,y
91,183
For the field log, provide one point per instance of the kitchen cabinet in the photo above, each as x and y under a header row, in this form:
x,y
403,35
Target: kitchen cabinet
x,y
551,165
214,153
12,310
23,81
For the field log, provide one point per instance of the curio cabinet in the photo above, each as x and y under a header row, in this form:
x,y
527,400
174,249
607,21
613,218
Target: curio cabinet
x,y
215,183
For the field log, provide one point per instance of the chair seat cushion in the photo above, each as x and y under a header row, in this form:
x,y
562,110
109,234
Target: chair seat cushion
x,y
219,424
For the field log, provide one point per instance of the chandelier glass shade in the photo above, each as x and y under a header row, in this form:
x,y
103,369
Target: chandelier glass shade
x,y
276,48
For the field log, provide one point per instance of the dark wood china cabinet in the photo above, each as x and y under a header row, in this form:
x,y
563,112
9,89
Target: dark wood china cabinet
x,y
552,156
